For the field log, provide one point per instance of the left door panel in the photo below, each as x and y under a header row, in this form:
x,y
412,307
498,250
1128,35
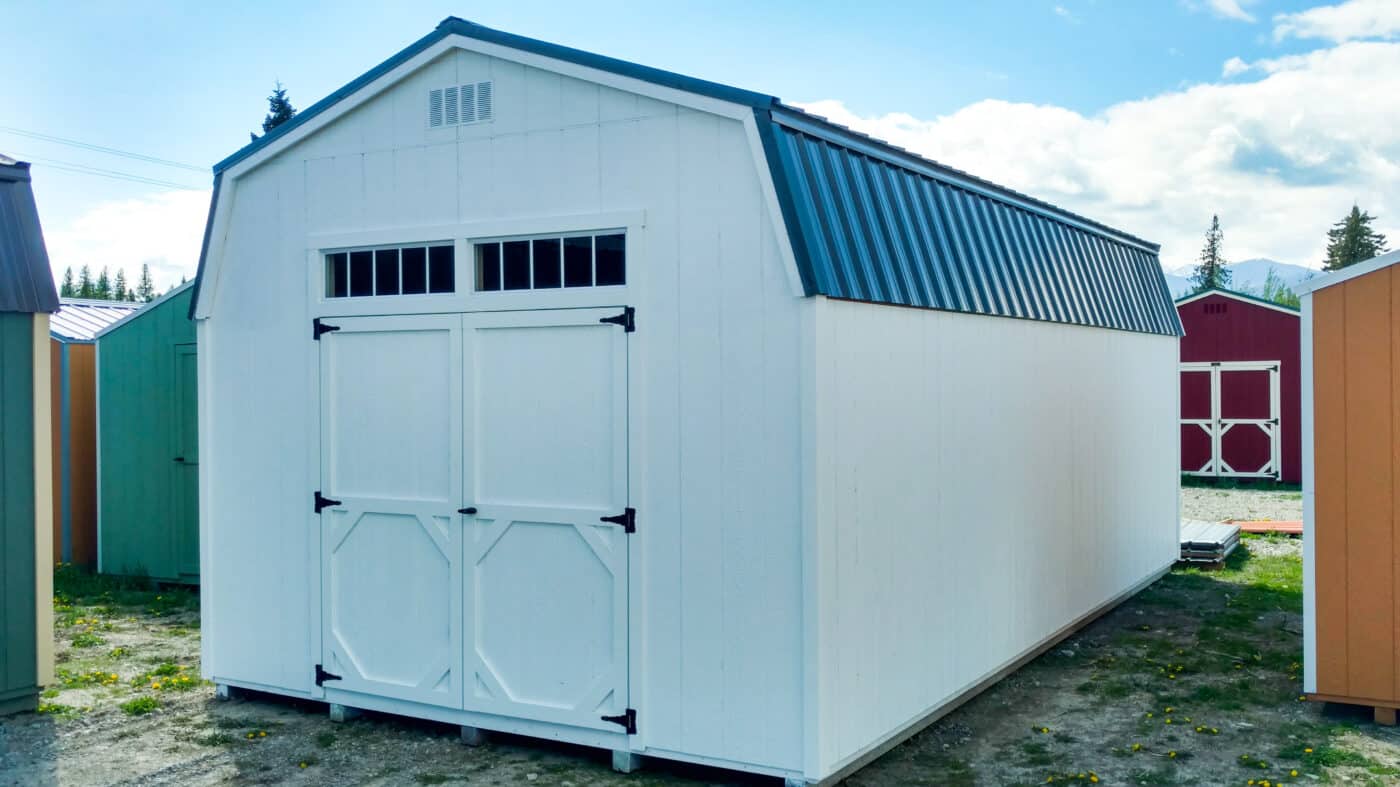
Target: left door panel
x,y
391,544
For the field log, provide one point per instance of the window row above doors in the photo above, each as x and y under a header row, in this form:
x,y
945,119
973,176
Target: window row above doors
x,y
546,262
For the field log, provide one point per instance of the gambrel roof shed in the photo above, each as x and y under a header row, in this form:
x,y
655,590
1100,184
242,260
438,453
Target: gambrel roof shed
x,y
551,394
867,220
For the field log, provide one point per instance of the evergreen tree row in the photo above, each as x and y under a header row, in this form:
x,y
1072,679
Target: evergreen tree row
x,y
107,288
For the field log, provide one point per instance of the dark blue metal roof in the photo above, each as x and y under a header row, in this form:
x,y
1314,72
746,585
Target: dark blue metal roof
x,y
872,222
26,283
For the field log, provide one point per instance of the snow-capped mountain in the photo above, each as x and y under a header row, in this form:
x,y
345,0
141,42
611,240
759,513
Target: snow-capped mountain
x,y
1248,275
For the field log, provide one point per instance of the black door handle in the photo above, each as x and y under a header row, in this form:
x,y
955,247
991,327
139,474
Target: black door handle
x,y
469,510
179,459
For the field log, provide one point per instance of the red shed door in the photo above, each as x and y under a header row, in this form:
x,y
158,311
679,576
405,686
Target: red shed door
x,y
1230,419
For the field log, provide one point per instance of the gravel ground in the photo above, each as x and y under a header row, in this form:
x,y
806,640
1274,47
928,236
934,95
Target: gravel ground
x,y
1193,681
1214,504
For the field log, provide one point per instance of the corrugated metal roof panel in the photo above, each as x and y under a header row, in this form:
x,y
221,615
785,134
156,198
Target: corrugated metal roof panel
x,y
873,223
26,284
80,319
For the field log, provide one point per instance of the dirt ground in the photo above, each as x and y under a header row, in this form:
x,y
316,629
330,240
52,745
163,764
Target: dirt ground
x,y
1194,681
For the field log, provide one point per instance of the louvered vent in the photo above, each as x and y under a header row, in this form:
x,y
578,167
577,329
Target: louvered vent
x,y
434,108
449,106
483,100
468,103
460,105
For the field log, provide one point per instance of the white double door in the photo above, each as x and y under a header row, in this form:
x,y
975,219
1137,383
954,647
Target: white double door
x,y
467,464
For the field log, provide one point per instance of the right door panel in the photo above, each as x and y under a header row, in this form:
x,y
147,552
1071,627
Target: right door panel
x,y
545,426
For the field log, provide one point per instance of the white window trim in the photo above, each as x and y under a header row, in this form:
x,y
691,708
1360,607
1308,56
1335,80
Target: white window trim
x,y
466,299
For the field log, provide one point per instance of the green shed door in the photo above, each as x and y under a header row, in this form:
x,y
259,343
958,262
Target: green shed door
x,y
186,482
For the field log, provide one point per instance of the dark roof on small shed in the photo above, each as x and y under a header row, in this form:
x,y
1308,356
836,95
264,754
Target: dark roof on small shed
x,y
26,283
870,221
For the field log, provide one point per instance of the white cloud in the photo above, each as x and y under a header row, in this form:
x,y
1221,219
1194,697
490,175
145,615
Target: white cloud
x,y
1234,67
1065,14
1352,20
163,229
1279,158
1225,9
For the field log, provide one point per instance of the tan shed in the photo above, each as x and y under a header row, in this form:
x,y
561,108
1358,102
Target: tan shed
x,y
1351,486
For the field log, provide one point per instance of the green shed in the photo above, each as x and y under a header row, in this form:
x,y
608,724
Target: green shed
x,y
148,443
27,298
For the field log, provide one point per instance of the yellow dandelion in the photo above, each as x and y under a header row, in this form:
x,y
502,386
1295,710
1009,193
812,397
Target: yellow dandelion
x,y
1093,778
1169,721
303,765
1171,754
1168,709
1137,747
1149,714
1307,751
262,733
1293,773
1044,730
250,736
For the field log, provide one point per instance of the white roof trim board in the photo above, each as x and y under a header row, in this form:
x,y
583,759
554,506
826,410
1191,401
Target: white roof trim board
x,y
1347,273
1235,296
144,308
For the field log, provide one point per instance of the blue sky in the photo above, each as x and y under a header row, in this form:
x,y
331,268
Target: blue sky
x,y
956,80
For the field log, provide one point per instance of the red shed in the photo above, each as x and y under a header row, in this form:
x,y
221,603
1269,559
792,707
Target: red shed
x,y
1240,392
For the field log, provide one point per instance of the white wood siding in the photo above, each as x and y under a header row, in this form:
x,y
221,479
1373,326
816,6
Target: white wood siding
x,y
715,382
981,482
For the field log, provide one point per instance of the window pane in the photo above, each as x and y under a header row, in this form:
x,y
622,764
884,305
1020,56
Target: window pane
x,y
546,263
415,270
337,283
516,273
386,272
440,269
578,262
488,267
361,273
612,263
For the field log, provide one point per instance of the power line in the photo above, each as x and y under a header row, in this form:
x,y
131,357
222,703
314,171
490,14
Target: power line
x,y
102,149
84,169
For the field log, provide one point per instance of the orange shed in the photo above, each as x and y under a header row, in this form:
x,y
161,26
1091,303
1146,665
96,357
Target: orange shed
x,y
73,388
1351,486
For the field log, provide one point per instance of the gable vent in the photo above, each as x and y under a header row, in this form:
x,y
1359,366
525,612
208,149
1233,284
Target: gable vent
x,y
449,106
434,108
460,105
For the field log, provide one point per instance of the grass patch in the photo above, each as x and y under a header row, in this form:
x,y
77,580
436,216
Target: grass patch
x,y
140,706
58,710
167,676
88,639
430,778
325,739
214,739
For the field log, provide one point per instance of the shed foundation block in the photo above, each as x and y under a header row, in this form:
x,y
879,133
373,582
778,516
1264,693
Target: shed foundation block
x,y
473,736
626,761
1385,716
341,713
225,692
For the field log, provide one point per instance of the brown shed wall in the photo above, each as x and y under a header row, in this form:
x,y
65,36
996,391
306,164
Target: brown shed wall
x,y
1356,470
82,451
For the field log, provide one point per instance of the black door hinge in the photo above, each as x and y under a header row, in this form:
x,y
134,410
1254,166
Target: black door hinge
x,y
324,502
628,319
322,676
628,520
627,720
318,328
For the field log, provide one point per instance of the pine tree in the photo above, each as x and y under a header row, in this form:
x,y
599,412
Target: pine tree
x,y
145,288
1352,240
84,282
1211,272
1275,290
279,110
67,290
102,290
119,290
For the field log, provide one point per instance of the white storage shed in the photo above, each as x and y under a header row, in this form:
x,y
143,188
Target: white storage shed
x,y
547,393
